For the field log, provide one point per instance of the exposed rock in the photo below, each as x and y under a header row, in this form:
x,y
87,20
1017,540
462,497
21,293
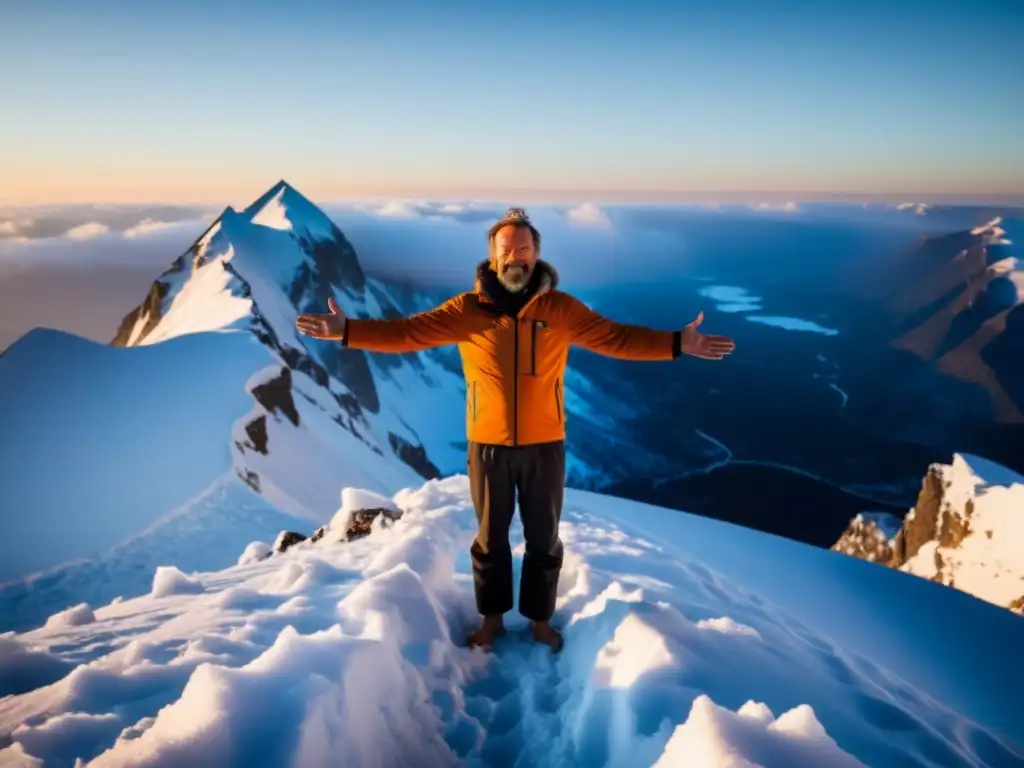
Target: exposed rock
x,y
1017,606
955,526
414,455
286,540
298,360
250,478
960,533
360,524
151,309
922,523
276,395
361,521
869,537
257,432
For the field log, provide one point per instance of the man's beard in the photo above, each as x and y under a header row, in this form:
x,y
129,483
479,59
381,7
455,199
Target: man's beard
x,y
514,277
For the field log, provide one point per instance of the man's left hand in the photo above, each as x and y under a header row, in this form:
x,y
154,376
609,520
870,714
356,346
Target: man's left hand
x,y
705,346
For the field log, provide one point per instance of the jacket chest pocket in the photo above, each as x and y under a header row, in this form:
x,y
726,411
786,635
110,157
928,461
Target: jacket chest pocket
x,y
538,340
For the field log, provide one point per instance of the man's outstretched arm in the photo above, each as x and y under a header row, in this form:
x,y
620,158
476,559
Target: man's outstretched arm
x,y
599,334
443,325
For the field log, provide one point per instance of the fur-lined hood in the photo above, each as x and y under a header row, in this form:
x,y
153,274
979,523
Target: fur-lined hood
x,y
544,273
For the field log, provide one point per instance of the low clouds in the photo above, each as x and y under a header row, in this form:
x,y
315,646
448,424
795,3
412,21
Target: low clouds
x,y
12,228
590,215
147,227
787,207
87,231
439,244
85,283
86,222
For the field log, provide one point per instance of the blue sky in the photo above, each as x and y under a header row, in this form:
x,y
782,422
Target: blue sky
x,y
211,100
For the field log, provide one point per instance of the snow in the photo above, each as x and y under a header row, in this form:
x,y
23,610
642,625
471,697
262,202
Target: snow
x,y
989,562
273,214
168,581
716,737
164,412
351,653
792,324
254,552
206,302
306,466
76,616
354,500
284,208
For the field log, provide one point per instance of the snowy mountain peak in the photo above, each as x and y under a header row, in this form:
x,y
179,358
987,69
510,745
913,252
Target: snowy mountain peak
x,y
966,530
285,208
251,272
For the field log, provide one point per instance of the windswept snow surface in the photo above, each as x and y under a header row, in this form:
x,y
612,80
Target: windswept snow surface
x,y
110,439
350,654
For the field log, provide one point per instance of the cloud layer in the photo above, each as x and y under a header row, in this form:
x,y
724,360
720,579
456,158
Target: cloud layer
x,y
87,281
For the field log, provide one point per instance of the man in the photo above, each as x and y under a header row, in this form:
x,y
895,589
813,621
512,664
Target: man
x,y
514,331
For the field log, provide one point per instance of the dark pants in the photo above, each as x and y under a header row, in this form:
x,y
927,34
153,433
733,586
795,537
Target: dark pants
x,y
496,474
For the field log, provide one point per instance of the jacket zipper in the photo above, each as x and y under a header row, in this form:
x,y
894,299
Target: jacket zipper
x,y
474,401
533,348
558,398
515,383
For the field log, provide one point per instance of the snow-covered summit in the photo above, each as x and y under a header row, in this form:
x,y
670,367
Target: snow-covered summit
x,y
965,531
253,271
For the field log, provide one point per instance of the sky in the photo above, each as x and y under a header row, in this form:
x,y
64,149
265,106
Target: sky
x,y
205,102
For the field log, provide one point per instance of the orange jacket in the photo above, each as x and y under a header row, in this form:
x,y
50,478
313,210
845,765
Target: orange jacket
x,y
514,366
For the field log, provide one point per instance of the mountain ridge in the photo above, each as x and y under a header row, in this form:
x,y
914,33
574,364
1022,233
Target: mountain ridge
x,y
965,531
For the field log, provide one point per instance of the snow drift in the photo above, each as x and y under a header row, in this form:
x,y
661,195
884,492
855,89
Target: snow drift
x,y
351,653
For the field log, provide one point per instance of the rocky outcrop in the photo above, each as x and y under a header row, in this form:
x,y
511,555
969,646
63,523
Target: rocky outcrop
x,y
360,525
257,432
1017,605
275,395
415,456
869,537
961,532
287,539
149,312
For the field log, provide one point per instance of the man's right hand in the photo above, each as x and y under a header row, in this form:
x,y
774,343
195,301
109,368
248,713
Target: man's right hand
x,y
323,326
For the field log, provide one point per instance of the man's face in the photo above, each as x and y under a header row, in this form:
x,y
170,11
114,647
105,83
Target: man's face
x,y
513,257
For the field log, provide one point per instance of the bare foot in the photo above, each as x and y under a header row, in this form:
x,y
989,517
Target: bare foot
x,y
489,630
543,632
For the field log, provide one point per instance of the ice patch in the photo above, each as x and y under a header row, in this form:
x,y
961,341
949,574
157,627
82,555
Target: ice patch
x,y
792,324
731,298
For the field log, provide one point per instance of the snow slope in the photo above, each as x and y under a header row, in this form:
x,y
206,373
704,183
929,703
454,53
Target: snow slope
x,y
102,442
966,530
349,653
